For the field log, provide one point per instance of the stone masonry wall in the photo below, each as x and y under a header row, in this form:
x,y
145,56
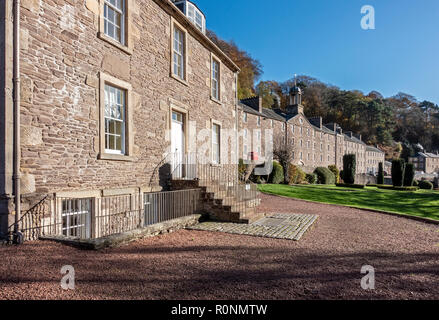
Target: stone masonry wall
x,y
61,60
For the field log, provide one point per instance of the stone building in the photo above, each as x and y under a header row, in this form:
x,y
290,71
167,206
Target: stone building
x,y
112,93
315,144
425,162
373,157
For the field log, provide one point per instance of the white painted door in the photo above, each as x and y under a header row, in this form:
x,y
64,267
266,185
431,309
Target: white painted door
x,y
177,142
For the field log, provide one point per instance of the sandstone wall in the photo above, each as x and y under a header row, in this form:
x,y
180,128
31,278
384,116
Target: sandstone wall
x,y
61,61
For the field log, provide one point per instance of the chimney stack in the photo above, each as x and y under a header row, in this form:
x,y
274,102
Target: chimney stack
x,y
254,102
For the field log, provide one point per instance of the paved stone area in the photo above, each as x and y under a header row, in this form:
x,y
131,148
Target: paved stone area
x,y
276,226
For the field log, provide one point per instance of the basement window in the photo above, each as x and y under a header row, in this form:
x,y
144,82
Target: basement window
x,y
76,217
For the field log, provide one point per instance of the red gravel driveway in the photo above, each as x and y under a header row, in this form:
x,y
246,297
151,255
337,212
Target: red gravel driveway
x,y
324,264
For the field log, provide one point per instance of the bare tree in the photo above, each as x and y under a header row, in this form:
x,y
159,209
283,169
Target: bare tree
x,y
283,151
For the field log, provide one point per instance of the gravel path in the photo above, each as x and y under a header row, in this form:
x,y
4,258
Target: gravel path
x,y
324,264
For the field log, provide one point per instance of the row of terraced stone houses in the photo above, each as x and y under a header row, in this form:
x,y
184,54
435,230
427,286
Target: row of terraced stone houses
x,y
315,144
118,101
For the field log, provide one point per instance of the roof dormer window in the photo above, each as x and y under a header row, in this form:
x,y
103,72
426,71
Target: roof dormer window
x,y
192,13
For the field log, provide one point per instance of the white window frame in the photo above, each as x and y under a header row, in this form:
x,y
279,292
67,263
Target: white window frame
x,y
117,11
83,217
192,13
215,78
122,119
180,55
127,139
216,145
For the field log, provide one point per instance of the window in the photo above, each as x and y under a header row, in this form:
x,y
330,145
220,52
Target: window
x,y
245,152
179,53
216,146
75,216
196,17
292,128
283,126
114,20
259,121
271,123
245,133
115,119
115,104
215,79
301,156
244,117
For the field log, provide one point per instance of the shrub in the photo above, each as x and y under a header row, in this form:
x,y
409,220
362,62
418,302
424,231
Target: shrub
x,y
277,175
425,185
311,178
415,183
242,168
398,169
324,175
409,175
380,179
349,168
296,174
341,176
336,172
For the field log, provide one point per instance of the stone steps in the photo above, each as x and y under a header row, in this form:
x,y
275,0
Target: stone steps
x,y
222,204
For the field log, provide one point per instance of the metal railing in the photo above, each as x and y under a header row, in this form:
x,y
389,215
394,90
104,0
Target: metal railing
x,y
165,206
221,180
93,218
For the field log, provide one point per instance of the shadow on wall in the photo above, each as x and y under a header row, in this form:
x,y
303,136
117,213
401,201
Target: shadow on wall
x,y
164,176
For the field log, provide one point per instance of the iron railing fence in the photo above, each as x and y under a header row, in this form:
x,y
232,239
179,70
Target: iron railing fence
x,y
164,206
222,180
92,218
118,214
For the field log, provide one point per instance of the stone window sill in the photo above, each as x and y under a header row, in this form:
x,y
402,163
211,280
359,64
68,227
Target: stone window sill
x,y
216,100
113,42
115,157
182,81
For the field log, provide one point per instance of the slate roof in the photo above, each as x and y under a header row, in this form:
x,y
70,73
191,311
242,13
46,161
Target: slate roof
x,y
428,155
373,149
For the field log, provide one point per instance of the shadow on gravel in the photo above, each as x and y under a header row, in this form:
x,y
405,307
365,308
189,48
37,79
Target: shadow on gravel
x,y
230,272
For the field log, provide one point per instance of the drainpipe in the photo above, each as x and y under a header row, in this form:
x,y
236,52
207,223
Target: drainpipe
x,y
237,117
17,148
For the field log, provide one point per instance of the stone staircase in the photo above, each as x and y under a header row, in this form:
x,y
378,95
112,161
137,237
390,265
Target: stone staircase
x,y
225,201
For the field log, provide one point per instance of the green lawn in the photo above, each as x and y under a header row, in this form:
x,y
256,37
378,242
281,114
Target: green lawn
x,y
421,203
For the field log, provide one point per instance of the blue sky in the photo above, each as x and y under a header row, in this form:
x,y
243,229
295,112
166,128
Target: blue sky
x,y
324,39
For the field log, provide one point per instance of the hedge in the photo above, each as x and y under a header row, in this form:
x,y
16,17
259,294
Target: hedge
x,y
425,185
380,179
277,175
324,176
398,170
385,187
347,185
409,175
349,168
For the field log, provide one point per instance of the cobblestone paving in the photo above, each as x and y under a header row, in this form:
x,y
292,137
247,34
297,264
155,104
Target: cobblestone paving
x,y
277,226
